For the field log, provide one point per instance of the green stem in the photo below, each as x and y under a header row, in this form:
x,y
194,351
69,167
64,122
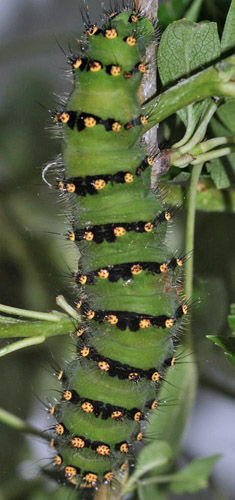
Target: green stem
x,y
182,161
8,319
190,226
189,130
205,146
19,424
218,80
201,130
62,302
211,155
193,11
30,314
21,344
35,328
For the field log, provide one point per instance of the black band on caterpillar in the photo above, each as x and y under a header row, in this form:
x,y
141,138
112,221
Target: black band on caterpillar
x,y
110,232
138,68
126,271
98,408
117,369
147,162
138,121
61,376
88,120
92,30
100,447
133,321
89,477
81,442
93,184
79,63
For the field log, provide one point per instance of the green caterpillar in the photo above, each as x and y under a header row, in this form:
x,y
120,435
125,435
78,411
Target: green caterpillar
x,y
127,278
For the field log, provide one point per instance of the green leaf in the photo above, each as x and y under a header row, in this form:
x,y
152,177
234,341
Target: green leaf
x,y
194,476
226,115
152,456
228,37
171,11
209,199
193,11
177,395
227,344
222,170
232,309
185,47
182,178
151,492
218,173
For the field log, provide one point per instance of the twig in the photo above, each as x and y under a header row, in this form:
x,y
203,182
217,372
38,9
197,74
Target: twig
x,y
15,311
189,240
62,302
21,344
20,425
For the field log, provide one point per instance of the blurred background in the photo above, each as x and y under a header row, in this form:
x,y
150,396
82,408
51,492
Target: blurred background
x,y
35,262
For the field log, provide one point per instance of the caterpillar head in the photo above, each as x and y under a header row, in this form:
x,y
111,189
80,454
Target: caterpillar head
x,y
127,34
130,23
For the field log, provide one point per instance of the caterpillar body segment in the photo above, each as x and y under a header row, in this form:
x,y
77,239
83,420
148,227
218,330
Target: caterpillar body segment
x,y
127,291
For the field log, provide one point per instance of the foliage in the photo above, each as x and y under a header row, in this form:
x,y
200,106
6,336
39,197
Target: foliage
x,y
227,344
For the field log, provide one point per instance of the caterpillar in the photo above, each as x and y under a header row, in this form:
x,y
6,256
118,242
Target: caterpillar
x,y
127,281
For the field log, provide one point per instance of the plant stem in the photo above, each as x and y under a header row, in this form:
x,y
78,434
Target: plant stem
x,y
62,302
191,125
201,129
9,319
205,146
21,344
194,157
189,239
34,329
29,314
211,155
19,424
193,11
217,80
